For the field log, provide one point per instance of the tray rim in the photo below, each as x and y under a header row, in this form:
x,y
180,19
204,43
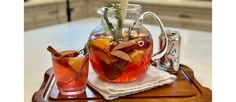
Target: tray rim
x,y
43,96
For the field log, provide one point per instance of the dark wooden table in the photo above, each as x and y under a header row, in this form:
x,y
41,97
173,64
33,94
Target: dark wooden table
x,y
185,89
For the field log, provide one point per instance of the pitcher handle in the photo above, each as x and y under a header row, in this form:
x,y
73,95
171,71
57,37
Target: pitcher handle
x,y
163,51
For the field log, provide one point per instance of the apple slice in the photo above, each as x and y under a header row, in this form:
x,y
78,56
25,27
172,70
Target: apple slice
x,y
102,56
123,45
121,54
76,63
69,53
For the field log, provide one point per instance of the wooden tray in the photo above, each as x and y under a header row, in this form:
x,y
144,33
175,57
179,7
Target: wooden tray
x,y
185,89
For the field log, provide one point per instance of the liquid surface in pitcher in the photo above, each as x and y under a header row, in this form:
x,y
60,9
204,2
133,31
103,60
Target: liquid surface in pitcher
x,y
124,61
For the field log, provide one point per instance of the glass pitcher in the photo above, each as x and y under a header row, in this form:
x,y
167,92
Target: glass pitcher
x,y
121,51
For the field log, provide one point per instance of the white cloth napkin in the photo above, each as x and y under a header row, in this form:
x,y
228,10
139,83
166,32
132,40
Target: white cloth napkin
x,y
152,79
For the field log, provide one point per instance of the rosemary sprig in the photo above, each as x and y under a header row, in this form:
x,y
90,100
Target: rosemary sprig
x,y
129,31
119,21
109,25
85,50
116,33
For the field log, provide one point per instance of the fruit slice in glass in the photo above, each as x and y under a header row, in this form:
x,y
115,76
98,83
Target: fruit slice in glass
x,y
71,72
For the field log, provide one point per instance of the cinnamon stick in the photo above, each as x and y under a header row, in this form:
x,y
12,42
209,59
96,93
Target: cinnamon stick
x,y
53,51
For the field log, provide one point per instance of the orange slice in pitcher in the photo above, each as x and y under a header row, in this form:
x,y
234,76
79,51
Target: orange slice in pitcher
x,y
100,43
76,63
136,56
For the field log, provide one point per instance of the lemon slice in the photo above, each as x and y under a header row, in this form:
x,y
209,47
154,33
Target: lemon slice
x,y
76,63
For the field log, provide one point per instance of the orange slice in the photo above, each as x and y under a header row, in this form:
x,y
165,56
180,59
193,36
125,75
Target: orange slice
x,y
136,56
100,43
76,63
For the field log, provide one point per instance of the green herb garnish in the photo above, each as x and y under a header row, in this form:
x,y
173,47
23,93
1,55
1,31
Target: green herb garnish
x,y
85,50
115,32
129,31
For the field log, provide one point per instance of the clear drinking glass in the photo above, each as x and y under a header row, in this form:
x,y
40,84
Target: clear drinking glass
x,y
71,72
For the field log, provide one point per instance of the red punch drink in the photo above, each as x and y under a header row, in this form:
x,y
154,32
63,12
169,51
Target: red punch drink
x,y
121,62
71,72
